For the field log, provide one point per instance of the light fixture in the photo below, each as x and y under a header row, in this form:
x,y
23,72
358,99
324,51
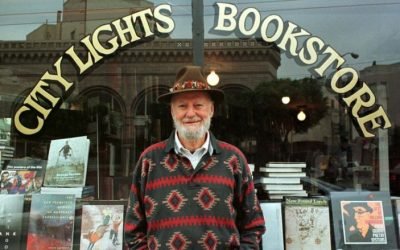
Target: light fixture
x,y
285,99
213,78
301,116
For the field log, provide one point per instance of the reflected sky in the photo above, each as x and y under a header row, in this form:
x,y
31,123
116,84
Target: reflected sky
x,y
367,27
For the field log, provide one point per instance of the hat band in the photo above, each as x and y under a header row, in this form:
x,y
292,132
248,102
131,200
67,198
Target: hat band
x,y
195,85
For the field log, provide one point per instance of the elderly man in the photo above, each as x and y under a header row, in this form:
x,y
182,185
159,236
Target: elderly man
x,y
192,191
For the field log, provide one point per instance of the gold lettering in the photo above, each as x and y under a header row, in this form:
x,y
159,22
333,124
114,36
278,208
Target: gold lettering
x,y
359,101
291,37
21,128
82,66
334,56
98,46
310,49
92,50
145,24
170,25
372,118
337,77
122,31
58,77
33,99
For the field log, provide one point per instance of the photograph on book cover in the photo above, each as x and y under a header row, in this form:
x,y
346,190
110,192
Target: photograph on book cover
x,y
31,170
20,182
67,162
102,226
363,220
307,224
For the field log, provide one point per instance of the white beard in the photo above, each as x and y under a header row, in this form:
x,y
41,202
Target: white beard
x,y
192,134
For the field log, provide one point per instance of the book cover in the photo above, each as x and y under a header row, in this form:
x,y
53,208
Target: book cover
x,y
19,182
11,216
51,222
272,239
67,162
286,164
363,220
306,224
30,169
102,226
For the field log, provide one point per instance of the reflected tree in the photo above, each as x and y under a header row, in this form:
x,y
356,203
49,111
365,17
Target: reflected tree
x,y
260,114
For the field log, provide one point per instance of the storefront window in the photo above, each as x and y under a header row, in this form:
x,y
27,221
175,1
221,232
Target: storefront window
x,y
82,71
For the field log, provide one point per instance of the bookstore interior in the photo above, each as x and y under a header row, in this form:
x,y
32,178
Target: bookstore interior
x,y
310,100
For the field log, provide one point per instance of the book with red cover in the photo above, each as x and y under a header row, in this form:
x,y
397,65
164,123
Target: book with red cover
x,y
51,222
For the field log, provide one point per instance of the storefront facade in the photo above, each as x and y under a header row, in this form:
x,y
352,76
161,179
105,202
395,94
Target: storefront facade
x,y
95,68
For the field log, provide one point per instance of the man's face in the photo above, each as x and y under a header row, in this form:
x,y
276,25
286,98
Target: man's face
x,y
361,215
192,112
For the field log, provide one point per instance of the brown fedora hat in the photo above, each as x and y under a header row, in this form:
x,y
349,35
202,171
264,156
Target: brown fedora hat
x,y
191,78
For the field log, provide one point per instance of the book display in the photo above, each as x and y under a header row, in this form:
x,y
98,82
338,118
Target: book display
x,y
306,223
11,217
102,226
363,220
51,222
67,162
280,179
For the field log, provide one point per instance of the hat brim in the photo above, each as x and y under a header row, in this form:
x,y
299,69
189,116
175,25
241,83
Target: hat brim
x,y
216,95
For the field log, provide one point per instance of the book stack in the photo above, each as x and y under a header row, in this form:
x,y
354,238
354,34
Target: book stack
x,y
6,151
280,179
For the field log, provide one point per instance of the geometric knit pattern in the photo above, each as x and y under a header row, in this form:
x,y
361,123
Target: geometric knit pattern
x,y
174,206
206,198
175,201
178,242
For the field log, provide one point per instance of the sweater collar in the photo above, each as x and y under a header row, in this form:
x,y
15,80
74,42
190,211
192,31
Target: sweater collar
x,y
213,141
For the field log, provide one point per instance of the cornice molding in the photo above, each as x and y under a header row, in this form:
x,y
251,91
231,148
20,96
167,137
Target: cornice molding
x,y
28,52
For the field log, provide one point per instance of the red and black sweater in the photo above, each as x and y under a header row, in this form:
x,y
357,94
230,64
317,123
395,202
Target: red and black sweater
x,y
173,206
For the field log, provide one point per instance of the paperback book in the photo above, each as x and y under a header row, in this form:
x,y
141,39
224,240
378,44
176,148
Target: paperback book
x,y
102,225
272,239
286,164
307,223
67,162
11,217
363,220
273,180
51,222
28,174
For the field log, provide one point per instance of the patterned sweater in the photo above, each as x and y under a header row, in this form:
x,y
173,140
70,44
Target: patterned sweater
x,y
173,206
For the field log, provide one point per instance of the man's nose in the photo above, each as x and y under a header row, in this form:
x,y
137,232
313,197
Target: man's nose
x,y
190,111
